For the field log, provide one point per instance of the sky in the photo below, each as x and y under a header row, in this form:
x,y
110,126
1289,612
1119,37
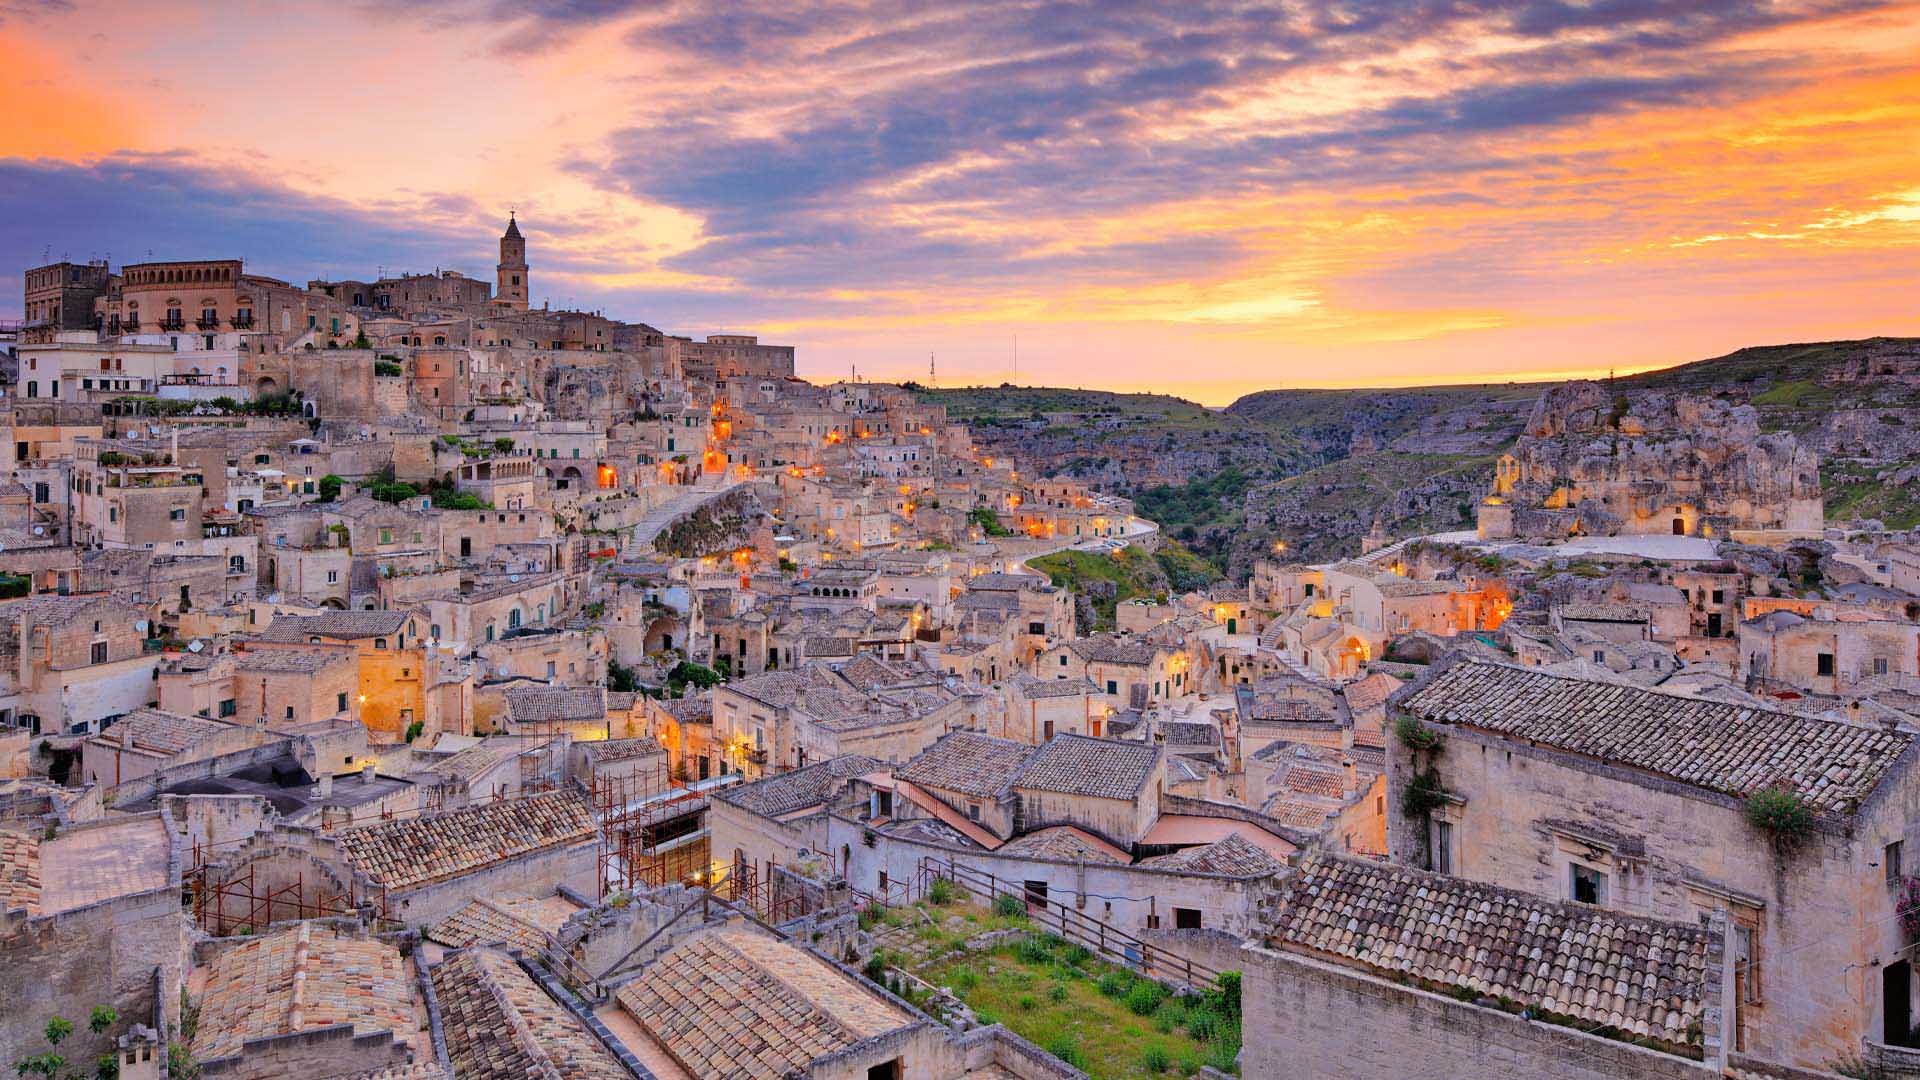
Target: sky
x,y
1203,198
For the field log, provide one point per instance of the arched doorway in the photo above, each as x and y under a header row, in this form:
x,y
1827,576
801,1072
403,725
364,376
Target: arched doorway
x,y
265,386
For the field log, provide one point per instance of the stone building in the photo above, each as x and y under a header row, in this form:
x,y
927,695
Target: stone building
x,y
1591,463
1630,800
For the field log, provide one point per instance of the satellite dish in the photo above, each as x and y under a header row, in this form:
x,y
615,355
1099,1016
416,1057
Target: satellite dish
x,y
141,626
39,530
513,577
196,645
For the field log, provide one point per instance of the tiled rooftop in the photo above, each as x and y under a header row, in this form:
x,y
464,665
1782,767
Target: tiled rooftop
x,y
500,1025
737,1004
337,624
969,763
1235,856
299,978
295,661
1078,765
515,923
1602,967
540,704
405,853
19,871
610,750
786,792
1727,748
1065,842
161,732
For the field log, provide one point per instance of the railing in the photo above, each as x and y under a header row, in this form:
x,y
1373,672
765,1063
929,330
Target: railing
x,y
1150,960
207,324
242,322
173,324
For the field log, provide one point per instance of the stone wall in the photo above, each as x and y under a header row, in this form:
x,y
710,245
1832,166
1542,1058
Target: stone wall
x,y
1307,1018
103,954
532,875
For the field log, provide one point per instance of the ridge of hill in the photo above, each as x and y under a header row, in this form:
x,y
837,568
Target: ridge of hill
x,y
1314,468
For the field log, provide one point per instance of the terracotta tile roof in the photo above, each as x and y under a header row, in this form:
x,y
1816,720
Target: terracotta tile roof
x,y
406,853
19,871
786,792
485,921
303,977
969,763
609,750
1640,975
1107,649
337,624
297,661
161,732
1733,749
1036,689
1101,768
1065,842
1370,691
1235,856
539,704
736,1004
501,1026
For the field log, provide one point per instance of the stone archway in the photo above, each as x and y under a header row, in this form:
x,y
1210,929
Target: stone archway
x,y
265,385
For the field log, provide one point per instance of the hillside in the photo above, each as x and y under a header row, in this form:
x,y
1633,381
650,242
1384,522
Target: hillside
x,y
1314,467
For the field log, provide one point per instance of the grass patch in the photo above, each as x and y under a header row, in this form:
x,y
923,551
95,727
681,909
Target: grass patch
x,y
1110,1023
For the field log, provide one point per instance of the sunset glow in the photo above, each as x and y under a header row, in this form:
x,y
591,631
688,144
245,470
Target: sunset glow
x,y
1202,199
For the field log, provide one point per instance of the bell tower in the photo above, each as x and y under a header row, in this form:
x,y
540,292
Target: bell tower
x,y
511,275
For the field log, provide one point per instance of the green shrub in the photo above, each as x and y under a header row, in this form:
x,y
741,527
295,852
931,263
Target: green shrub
x,y
1008,907
1414,735
1064,1047
1077,955
965,980
1115,984
1423,794
1057,993
1224,998
1144,998
1026,1003
1202,1024
1173,1013
1223,1055
1154,1060
1033,951
940,893
1781,813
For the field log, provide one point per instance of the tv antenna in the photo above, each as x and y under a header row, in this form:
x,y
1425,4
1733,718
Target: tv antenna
x,y
932,380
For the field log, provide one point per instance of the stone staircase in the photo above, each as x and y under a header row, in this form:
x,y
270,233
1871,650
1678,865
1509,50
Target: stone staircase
x,y
655,522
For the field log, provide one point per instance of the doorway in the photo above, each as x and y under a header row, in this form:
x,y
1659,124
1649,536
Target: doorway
x,y
1679,526
1896,996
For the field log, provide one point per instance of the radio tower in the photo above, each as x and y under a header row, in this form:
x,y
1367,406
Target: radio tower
x,y
931,379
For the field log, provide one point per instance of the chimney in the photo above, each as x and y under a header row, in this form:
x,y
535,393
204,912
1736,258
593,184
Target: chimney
x,y
1353,775
366,773
324,787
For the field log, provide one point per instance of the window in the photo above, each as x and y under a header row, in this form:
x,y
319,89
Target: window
x,y
1186,918
1824,663
1113,687
1890,860
340,702
99,652
1443,847
178,513
973,811
1047,729
229,707
1719,596
1063,659
1879,665
333,577
886,1070
1588,886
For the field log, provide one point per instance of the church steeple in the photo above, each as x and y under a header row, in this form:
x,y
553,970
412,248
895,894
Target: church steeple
x,y
512,277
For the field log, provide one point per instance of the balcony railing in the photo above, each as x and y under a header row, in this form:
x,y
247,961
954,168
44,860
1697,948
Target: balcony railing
x,y
173,324
207,324
128,326
242,322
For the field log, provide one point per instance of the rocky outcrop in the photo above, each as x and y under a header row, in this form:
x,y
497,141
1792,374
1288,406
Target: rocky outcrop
x,y
1656,462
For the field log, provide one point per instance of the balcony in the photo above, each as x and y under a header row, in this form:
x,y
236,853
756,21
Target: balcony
x,y
207,324
758,757
126,326
242,321
170,323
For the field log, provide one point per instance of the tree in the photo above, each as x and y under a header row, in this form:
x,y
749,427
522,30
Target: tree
x,y
360,341
330,487
621,678
54,1066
